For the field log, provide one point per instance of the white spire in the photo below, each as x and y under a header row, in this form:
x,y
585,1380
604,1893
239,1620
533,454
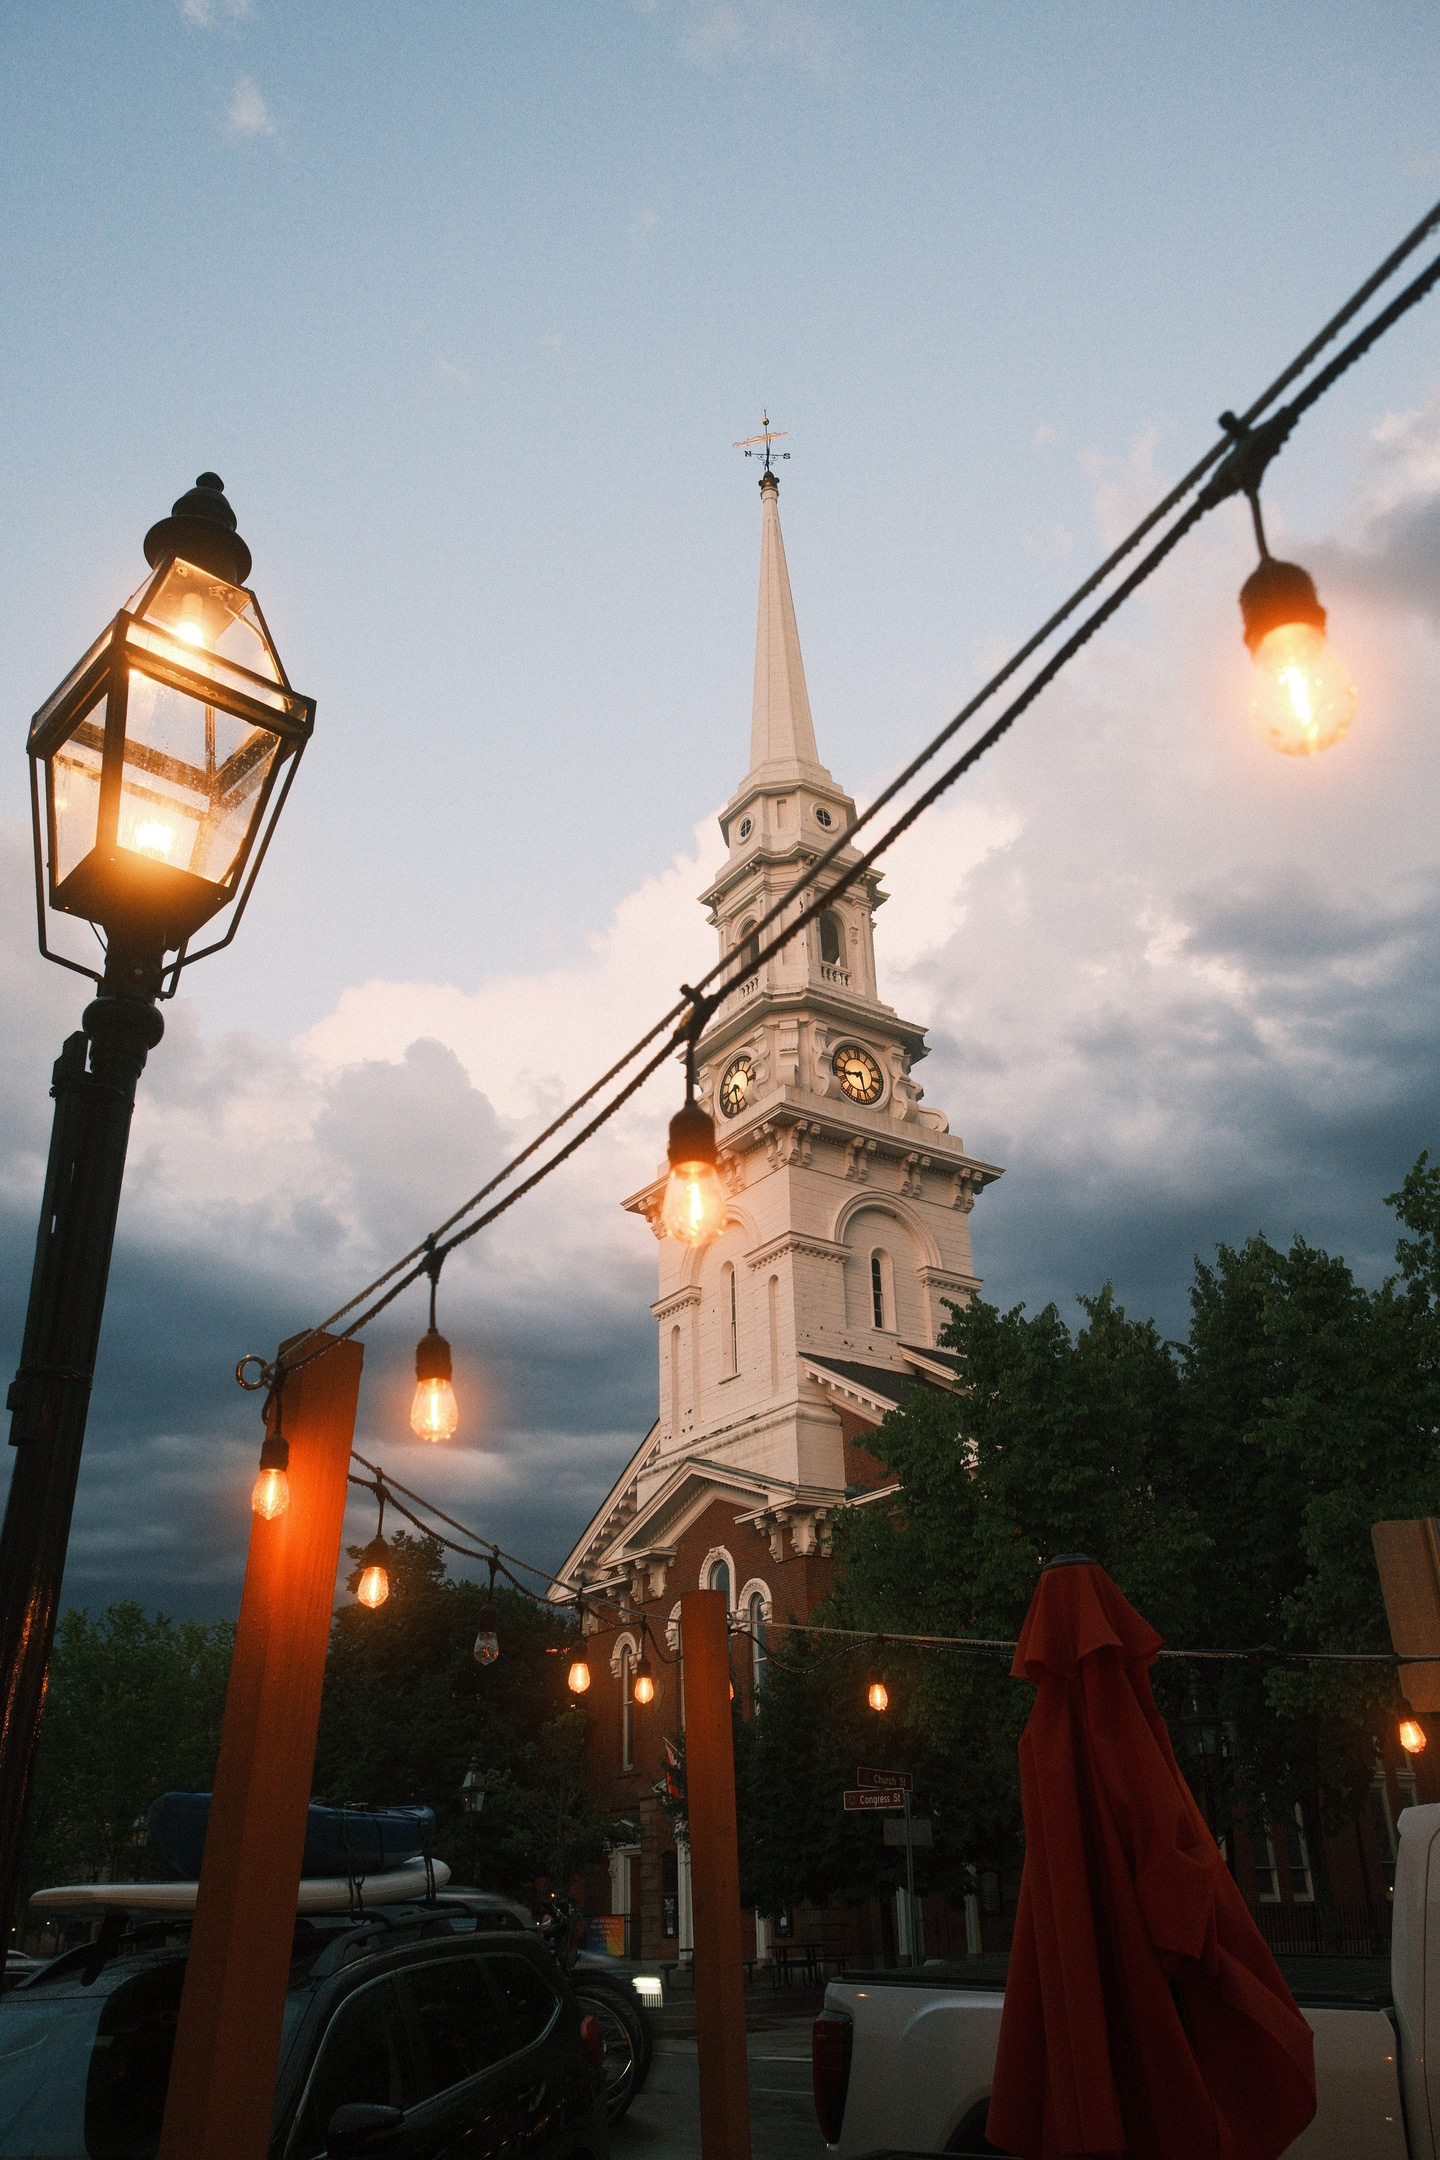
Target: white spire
x,y
781,730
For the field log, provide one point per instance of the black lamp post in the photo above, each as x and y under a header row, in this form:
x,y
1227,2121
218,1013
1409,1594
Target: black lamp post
x,y
158,770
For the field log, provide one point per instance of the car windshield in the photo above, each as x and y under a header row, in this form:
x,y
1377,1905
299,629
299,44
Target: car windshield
x,y
45,2048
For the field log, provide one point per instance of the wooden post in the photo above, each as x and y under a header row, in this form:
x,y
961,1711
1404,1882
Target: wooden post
x,y
715,1878
227,2043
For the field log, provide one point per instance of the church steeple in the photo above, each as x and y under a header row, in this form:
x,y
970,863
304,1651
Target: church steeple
x,y
782,733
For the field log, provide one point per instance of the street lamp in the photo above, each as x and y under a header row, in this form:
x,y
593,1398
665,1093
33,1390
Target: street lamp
x,y
158,769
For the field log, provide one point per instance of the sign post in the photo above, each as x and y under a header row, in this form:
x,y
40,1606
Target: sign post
x,y
885,1789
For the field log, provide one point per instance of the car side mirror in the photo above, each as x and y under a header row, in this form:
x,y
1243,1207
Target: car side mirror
x,y
361,2126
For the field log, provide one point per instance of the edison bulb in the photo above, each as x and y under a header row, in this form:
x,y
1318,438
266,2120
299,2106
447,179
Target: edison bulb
x,y
156,838
434,1414
270,1494
879,1695
191,625
487,1642
643,1686
694,1210
1412,1736
578,1677
374,1585
1301,698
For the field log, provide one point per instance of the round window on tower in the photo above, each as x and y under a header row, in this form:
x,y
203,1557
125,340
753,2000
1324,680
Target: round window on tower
x,y
747,826
823,817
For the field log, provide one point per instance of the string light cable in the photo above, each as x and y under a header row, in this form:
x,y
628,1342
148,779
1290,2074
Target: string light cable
x,y
1241,456
989,1645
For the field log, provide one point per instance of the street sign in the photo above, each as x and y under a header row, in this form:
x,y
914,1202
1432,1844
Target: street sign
x,y
891,1780
919,1826
865,1797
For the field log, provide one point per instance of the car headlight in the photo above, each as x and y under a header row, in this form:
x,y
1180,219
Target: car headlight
x,y
650,1989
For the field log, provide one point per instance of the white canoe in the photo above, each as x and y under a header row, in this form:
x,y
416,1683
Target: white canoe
x,y
318,1893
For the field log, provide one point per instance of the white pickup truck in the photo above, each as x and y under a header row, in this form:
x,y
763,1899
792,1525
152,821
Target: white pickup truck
x,y
903,2060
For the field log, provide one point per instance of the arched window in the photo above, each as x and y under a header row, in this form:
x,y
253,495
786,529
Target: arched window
x,y
718,1578
877,1289
755,1616
773,1301
729,1321
751,944
675,1379
882,1291
625,1762
832,939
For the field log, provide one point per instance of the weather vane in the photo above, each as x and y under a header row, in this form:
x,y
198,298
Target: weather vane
x,y
751,444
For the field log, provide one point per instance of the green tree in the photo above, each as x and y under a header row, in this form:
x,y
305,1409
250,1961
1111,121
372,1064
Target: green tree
x,y
406,1708
132,1709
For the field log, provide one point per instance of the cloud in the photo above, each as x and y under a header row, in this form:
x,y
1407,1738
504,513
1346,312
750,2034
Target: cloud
x,y
247,114
213,14
1124,488
747,32
1179,988
1395,559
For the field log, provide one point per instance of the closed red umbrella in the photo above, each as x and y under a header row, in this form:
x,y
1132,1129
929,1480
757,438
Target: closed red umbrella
x,y
1144,2015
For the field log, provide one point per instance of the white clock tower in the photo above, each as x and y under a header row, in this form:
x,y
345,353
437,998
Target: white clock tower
x,y
818,1308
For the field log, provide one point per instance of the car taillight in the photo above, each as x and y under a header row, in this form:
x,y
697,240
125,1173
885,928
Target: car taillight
x,y
830,2060
593,2041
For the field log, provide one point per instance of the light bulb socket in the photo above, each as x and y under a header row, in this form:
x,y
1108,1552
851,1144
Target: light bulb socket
x,y
275,1452
642,1670
432,1356
376,1554
489,1621
692,1137
1277,593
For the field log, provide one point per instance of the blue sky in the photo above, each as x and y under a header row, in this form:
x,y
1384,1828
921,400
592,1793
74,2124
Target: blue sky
x,y
467,304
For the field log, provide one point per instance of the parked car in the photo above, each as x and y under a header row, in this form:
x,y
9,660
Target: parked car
x,y
904,2060
410,2034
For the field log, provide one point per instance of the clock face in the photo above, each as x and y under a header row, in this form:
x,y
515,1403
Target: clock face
x,y
737,1086
858,1073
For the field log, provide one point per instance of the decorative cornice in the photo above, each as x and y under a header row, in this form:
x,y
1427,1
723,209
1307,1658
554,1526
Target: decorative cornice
x,y
794,1241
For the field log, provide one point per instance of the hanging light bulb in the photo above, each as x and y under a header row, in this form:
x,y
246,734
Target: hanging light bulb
x,y
1301,699
694,1206
578,1677
270,1494
877,1695
434,1413
374,1585
642,1685
487,1642
1412,1732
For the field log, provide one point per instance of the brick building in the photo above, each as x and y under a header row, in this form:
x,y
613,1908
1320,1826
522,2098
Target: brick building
x,y
784,1342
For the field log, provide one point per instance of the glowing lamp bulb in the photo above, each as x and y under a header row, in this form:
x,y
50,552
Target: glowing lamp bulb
x,y
270,1494
1301,699
578,1677
694,1205
878,1695
155,838
1412,1736
434,1413
191,625
374,1585
487,1642
642,1687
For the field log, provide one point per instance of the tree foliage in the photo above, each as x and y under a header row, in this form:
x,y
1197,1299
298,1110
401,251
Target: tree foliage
x,y
1228,1483
132,1708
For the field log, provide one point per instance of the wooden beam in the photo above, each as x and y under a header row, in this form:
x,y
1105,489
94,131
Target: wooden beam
x,y
715,1878
227,2043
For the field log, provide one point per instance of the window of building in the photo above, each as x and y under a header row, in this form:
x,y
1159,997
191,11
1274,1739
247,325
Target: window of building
x,y
674,1379
773,1304
719,1579
832,939
1267,1875
756,1619
1297,1859
750,945
625,1756
729,1320
877,1290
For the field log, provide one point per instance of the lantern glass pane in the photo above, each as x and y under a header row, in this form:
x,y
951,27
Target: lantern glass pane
x,y
208,615
75,791
192,779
